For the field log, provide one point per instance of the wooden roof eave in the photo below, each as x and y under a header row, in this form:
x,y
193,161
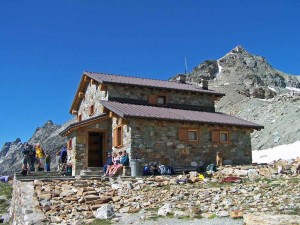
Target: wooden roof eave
x,y
81,88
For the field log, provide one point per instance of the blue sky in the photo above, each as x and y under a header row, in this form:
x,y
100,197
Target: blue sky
x,y
46,45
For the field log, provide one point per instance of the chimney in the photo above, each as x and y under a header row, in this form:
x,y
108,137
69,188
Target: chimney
x,y
204,84
181,78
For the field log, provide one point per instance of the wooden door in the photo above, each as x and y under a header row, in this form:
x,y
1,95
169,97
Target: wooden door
x,y
95,149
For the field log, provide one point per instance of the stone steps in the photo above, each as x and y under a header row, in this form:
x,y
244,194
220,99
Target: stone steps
x,y
92,171
40,175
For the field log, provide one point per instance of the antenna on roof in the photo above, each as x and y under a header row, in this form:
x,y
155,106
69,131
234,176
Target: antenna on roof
x,y
185,63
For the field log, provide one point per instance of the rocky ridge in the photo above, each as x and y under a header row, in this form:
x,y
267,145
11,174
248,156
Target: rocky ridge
x,y
48,136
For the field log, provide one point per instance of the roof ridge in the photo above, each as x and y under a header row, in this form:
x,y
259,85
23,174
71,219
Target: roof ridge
x,y
130,76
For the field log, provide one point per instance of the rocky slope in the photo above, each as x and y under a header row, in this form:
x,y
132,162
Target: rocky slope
x,y
257,92
47,135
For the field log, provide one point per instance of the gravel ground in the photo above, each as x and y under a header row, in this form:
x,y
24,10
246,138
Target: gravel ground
x,y
135,219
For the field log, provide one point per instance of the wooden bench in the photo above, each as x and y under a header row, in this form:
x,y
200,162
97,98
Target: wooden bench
x,y
184,169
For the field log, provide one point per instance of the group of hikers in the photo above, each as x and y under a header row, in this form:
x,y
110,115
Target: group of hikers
x,y
35,158
115,163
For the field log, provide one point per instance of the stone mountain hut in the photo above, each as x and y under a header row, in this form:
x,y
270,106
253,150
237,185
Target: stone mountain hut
x,y
171,122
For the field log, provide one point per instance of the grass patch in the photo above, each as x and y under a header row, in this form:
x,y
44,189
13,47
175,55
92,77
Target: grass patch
x,y
265,180
5,196
219,184
154,217
294,211
101,222
294,180
212,216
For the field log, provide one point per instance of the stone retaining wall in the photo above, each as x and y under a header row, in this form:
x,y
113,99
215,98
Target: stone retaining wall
x,y
25,207
76,201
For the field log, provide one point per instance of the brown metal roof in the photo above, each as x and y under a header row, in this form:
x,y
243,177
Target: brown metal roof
x,y
151,112
83,123
158,84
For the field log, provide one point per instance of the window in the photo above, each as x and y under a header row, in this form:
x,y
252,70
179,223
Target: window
x,y
92,109
69,144
157,100
185,134
161,100
193,135
220,137
118,137
79,118
223,136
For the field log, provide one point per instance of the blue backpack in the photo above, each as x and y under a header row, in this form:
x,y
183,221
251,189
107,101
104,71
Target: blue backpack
x,y
146,170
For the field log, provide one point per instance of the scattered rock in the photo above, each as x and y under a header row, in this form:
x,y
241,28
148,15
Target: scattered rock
x,y
271,219
165,210
105,212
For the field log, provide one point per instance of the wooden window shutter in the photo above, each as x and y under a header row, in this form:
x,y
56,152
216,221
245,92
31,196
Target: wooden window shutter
x,y
229,136
183,134
115,137
92,109
152,99
69,144
215,136
118,136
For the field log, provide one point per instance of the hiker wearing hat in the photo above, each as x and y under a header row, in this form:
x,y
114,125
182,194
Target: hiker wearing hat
x,y
108,162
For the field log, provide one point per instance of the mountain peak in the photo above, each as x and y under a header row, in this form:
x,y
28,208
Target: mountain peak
x,y
239,49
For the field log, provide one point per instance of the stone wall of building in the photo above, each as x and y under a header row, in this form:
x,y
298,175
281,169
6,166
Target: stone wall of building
x,y
126,134
92,96
158,141
173,97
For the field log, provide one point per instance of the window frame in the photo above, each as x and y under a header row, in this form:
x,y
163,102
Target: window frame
x,y
227,136
163,97
197,135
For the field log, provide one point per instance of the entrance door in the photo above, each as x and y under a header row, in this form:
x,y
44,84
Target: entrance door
x,y
95,150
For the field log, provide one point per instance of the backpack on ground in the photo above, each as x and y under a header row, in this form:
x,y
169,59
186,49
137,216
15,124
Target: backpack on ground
x,y
170,170
163,170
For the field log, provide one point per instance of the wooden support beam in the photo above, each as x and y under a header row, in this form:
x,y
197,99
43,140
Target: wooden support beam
x,y
74,112
111,114
93,82
86,78
105,110
80,94
102,87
